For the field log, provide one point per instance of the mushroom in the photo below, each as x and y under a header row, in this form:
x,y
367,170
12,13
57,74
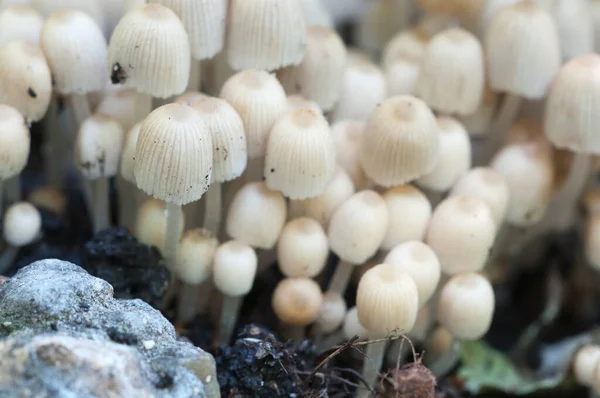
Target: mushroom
x,y
265,34
513,67
320,74
479,122
130,196
234,269
387,301
230,154
409,44
348,136
356,231
380,20
97,153
451,77
297,303
20,22
302,248
93,8
300,155
585,360
173,162
15,142
332,315
151,224
575,26
22,225
401,75
127,106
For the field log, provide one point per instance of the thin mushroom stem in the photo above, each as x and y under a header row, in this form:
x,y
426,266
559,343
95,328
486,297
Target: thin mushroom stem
x,y
101,204
341,277
195,76
213,208
54,150
229,312
504,120
127,203
371,365
186,306
173,234
444,364
7,258
203,296
80,107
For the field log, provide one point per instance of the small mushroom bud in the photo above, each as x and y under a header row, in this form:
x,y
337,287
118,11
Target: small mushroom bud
x,y
300,155
466,306
126,106
50,198
234,272
265,34
151,224
20,22
586,359
438,343
356,231
409,212
488,185
409,44
152,32
479,123
256,215
403,141
461,232
451,78
402,75
297,302
332,315
21,226
421,263
302,249
26,83
260,101
15,142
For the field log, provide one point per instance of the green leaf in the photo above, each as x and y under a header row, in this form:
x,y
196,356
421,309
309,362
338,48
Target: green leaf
x,y
485,368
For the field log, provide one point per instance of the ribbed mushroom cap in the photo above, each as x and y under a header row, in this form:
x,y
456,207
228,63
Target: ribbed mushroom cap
x,y
302,249
256,215
522,50
260,100
421,263
297,301
128,153
123,104
333,313
230,154
466,306
75,49
300,155
151,223
573,106
488,185
451,77
363,88
575,26
20,22
458,8
490,9
387,300
358,227
401,141
319,76
149,50
22,224
26,82
234,268
322,207
401,76
584,362
265,34
461,232
14,142
191,97
204,22
409,44
174,154
195,258
528,170
98,146
454,157
348,136
409,212
297,101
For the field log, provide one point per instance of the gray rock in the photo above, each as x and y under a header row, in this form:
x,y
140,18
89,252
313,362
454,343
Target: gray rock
x,y
64,335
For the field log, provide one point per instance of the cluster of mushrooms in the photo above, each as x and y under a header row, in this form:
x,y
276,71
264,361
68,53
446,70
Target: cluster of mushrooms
x,y
246,133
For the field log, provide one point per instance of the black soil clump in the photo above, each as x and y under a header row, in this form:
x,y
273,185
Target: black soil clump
x,y
259,365
131,267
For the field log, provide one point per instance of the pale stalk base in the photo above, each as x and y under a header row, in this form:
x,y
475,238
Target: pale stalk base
x,y
195,76
371,366
229,313
101,211
507,116
213,209
186,305
173,235
341,277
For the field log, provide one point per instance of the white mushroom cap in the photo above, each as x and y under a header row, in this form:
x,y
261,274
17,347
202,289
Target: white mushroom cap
x,y
348,136
20,22
297,301
409,212
585,361
125,105
352,326
151,223
333,313
128,153
98,146
22,224
234,268
196,254
302,249
14,142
